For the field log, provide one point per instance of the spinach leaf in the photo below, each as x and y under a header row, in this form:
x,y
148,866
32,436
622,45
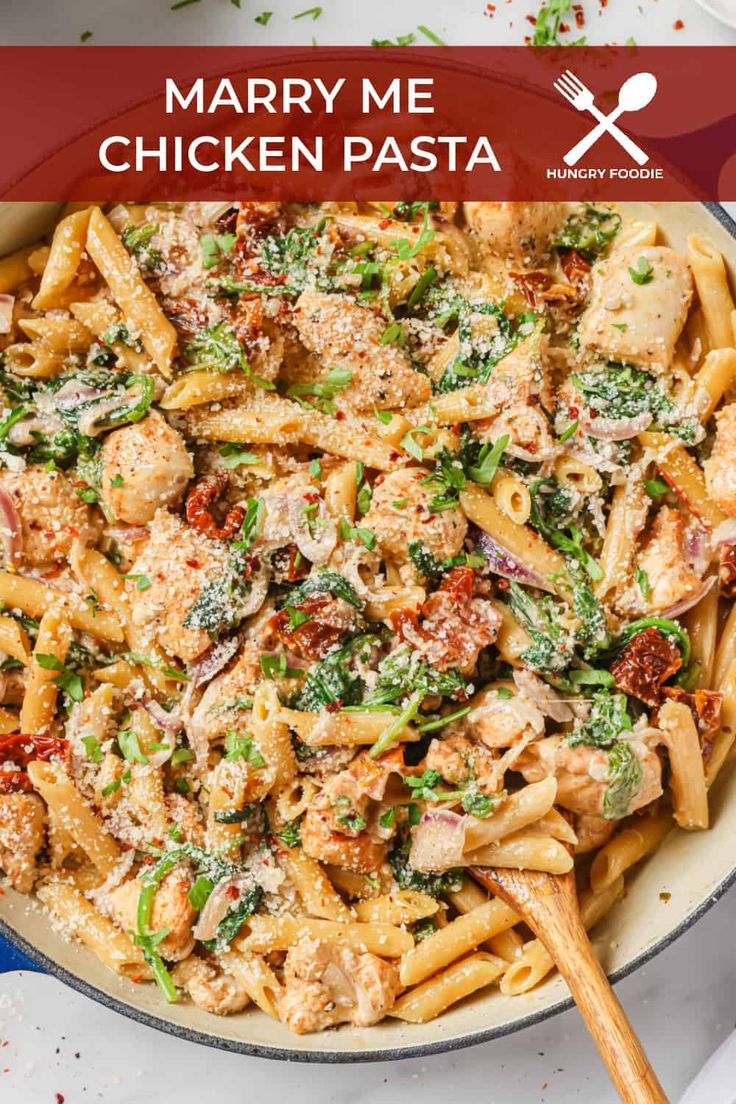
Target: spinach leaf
x,y
589,233
624,780
603,726
436,885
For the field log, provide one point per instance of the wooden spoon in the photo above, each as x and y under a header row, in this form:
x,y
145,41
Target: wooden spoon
x,y
548,903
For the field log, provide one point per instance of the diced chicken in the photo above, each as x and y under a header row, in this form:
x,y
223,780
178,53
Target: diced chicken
x,y
226,701
502,722
319,839
171,910
144,467
326,985
400,513
455,626
178,561
638,306
519,232
592,833
346,335
22,819
520,382
459,759
185,815
51,512
582,774
212,989
720,467
665,560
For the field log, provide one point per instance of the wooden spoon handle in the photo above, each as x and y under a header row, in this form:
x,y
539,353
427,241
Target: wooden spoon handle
x,y
604,1017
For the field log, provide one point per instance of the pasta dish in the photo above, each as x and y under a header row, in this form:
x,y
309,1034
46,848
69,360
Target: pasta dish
x,y
347,548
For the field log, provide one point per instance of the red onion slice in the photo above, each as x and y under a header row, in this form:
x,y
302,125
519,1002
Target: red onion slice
x,y
438,841
504,563
218,905
167,722
617,429
686,604
316,547
7,302
11,530
212,662
542,695
128,532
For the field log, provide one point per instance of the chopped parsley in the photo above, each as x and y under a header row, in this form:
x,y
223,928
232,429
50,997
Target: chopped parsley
x,y
643,273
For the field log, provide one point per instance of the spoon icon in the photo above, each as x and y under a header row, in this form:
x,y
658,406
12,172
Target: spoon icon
x,y
634,94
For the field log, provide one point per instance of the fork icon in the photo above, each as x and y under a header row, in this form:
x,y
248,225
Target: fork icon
x,y
634,94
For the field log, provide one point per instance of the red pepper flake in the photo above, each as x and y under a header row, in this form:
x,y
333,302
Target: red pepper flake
x,y
394,455
385,223
233,893
192,563
532,19
678,25
334,707
340,416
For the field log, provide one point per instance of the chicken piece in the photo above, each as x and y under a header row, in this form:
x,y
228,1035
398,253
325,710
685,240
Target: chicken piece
x,y
320,840
637,319
51,513
665,560
395,526
171,909
459,760
518,232
502,722
325,985
209,988
520,384
226,702
185,815
22,817
720,467
583,774
592,832
346,335
178,561
144,467
455,626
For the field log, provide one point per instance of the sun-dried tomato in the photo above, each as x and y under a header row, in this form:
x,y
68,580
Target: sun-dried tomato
x,y
21,749
289,565
460,582
574,266
541,287
12,781
705,706
17,747
647,661
199,504
727,571
327,623
187,315
255,222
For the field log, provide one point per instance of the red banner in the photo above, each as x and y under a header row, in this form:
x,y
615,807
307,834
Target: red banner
x,y
155,123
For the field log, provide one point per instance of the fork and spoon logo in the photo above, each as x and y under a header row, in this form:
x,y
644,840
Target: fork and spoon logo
x,y
634,94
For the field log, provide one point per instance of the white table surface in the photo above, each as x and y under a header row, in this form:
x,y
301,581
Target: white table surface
x,y
683,1004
